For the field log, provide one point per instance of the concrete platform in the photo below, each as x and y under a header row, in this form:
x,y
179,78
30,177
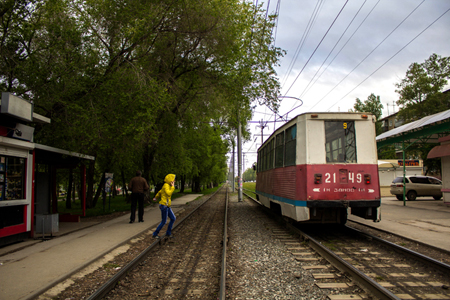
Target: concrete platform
x,y
27,269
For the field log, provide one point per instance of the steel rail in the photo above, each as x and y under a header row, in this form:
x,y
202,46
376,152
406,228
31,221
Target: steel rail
x,y
111,283
405,251
364,281
223,273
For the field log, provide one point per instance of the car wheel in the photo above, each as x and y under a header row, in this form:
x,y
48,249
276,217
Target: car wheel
x,y
412,195
437,197
399,197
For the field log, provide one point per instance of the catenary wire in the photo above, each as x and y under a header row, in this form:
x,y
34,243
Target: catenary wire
x,y
370,53
326,33
343,46
391,57
302,40
335,45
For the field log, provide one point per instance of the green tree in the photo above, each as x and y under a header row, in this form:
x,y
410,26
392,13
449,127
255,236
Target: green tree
x,y
371,105
249,175
421,89
134,83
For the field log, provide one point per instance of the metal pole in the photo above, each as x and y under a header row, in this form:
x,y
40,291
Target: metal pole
x,y
233,178
404,172
239,161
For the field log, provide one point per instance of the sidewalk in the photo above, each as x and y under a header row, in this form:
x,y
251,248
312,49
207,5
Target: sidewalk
x,y
31,270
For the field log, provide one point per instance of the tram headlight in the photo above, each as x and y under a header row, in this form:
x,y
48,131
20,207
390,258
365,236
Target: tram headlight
x,y
317,178
367,178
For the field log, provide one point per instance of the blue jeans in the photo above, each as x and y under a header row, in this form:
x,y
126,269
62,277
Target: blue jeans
x,y
165,211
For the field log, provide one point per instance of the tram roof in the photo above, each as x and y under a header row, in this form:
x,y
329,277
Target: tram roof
x,y
426,130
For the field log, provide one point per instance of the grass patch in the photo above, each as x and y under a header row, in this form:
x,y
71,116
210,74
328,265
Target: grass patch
x,y
110,266
330,246
117,204
249,188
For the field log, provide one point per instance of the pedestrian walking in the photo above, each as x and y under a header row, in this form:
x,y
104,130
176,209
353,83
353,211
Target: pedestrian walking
x,y
138,185
164,205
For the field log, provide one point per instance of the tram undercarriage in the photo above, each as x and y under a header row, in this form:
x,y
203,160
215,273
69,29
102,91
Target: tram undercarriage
x,y
323,212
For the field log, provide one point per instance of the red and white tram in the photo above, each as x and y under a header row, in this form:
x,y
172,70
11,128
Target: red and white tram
x,y
319,166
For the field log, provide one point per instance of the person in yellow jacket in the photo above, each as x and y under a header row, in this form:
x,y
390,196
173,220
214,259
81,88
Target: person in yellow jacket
x,y
164,205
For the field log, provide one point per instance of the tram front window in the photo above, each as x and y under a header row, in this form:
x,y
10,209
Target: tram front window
x,y
340,142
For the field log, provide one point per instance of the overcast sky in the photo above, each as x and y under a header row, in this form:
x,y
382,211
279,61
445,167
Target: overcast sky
x,y
357,48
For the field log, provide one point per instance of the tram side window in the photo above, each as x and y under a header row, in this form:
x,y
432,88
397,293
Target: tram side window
x,y
258,164
264,153
290,146
272,153
279,150
340,142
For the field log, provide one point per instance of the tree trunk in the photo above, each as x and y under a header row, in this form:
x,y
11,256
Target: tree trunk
x,y
196,185
124,185
182,182
69,190
99,190
74,186
90,185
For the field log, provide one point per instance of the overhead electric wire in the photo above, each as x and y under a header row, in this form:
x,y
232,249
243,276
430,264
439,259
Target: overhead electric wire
x,y
277,13
326,33
391,57
370,53
343,46
302,40
335,45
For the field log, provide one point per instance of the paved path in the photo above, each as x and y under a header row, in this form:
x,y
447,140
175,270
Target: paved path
x,y
28,272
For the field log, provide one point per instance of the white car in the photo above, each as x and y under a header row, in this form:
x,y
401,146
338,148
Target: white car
x,y
417,186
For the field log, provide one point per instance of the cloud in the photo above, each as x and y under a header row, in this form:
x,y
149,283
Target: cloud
x,y
359,58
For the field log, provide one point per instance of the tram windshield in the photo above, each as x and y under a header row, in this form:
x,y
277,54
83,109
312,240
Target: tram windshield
x,y
340,141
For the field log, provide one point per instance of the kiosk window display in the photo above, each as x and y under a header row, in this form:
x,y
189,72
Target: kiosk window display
x,y
12,178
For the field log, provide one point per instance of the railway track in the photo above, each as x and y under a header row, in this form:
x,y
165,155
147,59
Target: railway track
x,y
389,269
179,267
383,269
263,259
186,266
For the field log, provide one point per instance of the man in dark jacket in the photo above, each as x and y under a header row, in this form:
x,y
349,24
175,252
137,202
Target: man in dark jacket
x,y
138,185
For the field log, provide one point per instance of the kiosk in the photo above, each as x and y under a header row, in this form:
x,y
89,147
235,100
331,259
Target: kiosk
x,y
28,191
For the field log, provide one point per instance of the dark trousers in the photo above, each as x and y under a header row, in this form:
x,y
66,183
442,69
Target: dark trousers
x,y
137,198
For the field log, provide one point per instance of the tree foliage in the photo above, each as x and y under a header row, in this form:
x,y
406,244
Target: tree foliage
x,y
421,89
156,85
371,105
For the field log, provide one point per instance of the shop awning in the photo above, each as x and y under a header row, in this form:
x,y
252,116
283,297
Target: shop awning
x,y
384,164
439,151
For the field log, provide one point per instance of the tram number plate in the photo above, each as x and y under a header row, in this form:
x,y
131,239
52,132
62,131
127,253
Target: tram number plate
x,y
344,177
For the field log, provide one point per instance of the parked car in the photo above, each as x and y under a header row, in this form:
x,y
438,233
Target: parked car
x,y
417,186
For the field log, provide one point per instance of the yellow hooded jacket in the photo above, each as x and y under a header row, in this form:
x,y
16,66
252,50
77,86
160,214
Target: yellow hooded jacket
x,y
166,192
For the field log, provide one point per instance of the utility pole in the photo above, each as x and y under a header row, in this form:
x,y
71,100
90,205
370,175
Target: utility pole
x,y
232,180
239,161
262,125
